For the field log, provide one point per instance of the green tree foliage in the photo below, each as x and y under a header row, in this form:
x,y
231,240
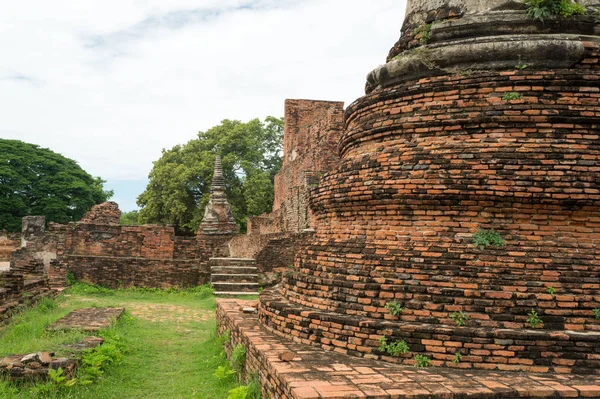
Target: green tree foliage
x,y
180,180
37,181
130,218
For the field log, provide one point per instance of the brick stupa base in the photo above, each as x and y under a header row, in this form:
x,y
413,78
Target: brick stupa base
x,y
315,373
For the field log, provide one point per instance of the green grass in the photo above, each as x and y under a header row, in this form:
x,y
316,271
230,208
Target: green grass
x,y
167,355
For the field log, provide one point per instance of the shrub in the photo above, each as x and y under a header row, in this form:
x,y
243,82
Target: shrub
x,y
596,313
551,290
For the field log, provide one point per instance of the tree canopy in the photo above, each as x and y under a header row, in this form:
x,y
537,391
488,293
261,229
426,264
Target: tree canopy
x,y
37,181
179,183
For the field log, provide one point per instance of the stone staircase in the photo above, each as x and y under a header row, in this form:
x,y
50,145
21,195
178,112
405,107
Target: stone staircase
x,y
234,276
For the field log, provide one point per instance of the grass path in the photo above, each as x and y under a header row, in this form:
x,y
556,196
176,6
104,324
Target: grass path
x,y
170,338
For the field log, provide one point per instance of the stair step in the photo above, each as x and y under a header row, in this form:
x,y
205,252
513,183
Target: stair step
x,y
235,287
233,270
238,278
231,262
235,293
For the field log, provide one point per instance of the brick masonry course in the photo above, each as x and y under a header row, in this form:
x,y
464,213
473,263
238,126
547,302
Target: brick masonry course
x,y
314,373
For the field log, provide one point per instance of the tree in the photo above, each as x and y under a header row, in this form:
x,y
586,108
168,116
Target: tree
x,y
131,218
180,180
37,181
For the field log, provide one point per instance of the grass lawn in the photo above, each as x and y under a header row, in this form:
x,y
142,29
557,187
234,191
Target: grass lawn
x,y
169,340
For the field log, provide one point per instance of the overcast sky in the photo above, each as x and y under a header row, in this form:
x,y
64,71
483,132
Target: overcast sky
x,y
110,83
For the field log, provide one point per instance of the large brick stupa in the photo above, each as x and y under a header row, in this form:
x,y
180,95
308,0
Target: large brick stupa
x,y
464,215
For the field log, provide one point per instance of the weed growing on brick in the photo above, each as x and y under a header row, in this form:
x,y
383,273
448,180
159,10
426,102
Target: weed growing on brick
x,y
457,358
394,307
460,318
511,95
487,238
422,361
396,348
534,320
542,9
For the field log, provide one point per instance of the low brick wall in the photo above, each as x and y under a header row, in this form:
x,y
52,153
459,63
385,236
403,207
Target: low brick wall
x,y
142,272
17,293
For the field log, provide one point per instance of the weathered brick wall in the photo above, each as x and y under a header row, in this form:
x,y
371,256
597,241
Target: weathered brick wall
x,y
9,242
311,133
103,214
17,293
149,255
115,272
148,241
279,252
257,363
41,248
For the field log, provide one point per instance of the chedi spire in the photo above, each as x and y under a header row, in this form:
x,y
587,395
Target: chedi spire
x,y
218,218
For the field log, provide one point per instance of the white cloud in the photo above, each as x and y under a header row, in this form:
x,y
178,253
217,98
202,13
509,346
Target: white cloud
x,y
111,83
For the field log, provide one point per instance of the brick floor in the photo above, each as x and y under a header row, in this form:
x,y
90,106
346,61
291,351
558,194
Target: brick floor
x,y
88,319
315,373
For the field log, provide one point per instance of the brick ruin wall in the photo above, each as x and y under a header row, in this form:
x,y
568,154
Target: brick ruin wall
x,y
311,134
149,255
9,242
100,251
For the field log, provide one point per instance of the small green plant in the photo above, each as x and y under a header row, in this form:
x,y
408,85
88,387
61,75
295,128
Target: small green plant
x,y
71,278
596,313
238,358
96,360
425,34
224,338
486,238
240,392
422,361
534,320
520,65
396,348
254,388
457,358
394,307
551,290
58,378
459,318
224,372
542,9
47,304
511,95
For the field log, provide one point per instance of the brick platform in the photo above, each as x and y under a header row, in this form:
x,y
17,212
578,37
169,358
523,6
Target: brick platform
x,y
315,373
88,319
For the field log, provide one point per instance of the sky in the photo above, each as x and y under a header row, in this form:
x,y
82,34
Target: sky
x,y
110,83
